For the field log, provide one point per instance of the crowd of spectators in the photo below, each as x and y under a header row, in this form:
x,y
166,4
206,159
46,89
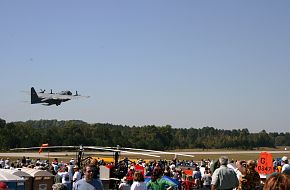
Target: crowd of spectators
x,y
162,174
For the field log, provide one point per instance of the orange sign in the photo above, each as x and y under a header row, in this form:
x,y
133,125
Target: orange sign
x,y
188,172
265,163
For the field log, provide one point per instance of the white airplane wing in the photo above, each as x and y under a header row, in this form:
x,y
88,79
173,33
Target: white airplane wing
x,y
65,97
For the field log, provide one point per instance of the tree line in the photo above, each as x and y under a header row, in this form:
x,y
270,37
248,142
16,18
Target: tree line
x,y
75,132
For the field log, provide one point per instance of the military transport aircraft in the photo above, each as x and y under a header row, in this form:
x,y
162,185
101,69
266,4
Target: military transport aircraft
x,y
53,98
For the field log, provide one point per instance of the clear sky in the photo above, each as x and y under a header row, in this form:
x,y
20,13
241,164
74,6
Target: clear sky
x,y
191,63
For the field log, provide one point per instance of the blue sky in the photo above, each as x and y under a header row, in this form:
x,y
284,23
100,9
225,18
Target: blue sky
x,y
223,64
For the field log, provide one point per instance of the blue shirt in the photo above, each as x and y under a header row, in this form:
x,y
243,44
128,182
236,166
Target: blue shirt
x,y
95,184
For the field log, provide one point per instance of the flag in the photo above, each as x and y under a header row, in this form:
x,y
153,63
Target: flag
x,y
43,145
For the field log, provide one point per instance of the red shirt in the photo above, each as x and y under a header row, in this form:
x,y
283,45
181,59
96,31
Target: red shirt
x,y
187,185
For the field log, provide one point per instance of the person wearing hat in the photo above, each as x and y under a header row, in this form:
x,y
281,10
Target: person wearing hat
x,y
72,161
77,175
286,166
124,184
3,186
224,177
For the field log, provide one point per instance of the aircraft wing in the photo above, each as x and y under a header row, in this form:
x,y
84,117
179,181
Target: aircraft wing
x,y
65,97
125,151
60,97
155,151
79,96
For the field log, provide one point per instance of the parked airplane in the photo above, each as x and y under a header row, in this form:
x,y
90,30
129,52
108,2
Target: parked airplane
x,y
80,151
52,98
118,150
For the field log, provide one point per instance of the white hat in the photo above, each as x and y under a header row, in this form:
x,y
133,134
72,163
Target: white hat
x,y
124,179
284,158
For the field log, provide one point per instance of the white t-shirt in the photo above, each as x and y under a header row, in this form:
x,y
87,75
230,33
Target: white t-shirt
x,y
124,186
285,167
138,186
64,177
77,176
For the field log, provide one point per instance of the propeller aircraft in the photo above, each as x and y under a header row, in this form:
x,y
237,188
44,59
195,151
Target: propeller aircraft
x,y
53,98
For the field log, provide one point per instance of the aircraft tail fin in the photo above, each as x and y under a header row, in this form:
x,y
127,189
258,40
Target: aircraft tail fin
x,y
34,97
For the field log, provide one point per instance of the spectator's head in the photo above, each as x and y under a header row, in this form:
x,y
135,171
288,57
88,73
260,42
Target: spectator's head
x,y
124,179
138,176
285,159
157,173
241,165
189,177
277,181
76,168
88,172
223,160
94,161
251,165
59,186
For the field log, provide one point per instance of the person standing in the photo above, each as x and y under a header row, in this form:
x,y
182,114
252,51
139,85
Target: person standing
x,y
124,185
88,182
251,178
138,183
206,179
224,178
77,175
157,183
286,166
65,179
